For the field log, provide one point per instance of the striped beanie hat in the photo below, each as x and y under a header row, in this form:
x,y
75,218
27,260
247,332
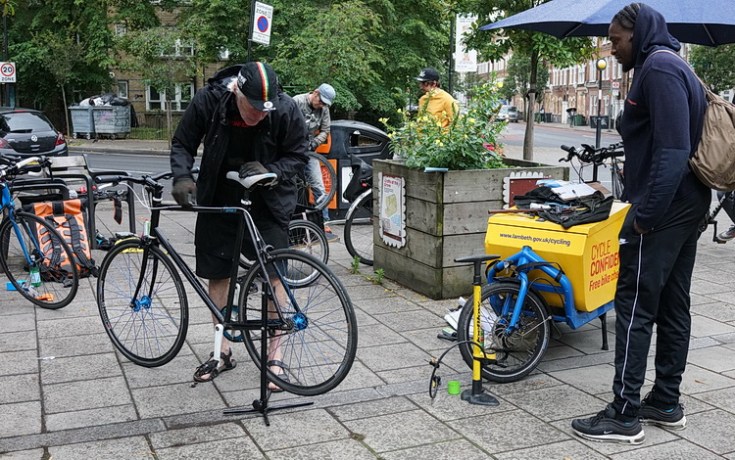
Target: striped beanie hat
x,y
259,83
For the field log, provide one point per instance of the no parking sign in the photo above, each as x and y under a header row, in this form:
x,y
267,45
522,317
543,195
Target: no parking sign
x,y
262,19
7,72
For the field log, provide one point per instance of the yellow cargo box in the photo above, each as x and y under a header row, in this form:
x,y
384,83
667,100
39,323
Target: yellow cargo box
x,y
587,253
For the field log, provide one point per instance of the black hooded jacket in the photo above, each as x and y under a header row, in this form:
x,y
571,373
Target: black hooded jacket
x,y
280,144
661,124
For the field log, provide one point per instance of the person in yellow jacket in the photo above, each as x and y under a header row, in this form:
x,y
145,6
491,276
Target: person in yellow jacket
x,y
435,101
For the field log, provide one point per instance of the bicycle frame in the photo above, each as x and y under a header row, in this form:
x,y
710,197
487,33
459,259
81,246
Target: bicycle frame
x,y
526,260
157,237
7,207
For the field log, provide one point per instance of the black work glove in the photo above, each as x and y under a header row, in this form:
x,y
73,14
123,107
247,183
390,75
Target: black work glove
x,y
313,145
185,191
252,168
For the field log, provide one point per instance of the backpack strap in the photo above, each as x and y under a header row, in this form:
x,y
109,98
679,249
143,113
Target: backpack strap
x,y
53,256
76,244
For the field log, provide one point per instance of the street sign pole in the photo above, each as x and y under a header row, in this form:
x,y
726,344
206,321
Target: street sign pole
x,y
250,27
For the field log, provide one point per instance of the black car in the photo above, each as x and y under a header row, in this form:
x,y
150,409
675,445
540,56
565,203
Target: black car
x,y
28,132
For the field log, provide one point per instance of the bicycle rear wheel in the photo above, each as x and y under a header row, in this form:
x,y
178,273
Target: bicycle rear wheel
x,y
319,340
145,314
520,347
307,237
33,242
359,228
329,179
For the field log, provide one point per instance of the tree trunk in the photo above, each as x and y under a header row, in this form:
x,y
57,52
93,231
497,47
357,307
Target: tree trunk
x,y
530,104
169,134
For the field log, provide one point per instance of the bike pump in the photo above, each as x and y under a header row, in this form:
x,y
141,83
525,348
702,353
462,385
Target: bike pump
x,y
477,394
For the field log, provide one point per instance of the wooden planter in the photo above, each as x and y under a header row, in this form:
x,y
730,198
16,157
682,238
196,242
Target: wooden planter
x,y
445,218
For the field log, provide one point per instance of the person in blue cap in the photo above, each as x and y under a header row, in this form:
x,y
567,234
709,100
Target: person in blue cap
x,y
246,123
314,106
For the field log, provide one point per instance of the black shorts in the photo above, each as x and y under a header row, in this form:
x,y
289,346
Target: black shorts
x,y
215,240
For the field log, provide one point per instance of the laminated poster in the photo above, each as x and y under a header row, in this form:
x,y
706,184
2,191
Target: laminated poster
x,y
392,210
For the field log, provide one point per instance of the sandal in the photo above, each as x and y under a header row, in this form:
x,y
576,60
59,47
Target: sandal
x,y
283,376
210,368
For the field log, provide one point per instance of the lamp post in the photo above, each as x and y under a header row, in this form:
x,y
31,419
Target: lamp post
x,y
601,65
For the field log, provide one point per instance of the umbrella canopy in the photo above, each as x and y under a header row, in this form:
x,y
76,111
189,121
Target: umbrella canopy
x,y
704,22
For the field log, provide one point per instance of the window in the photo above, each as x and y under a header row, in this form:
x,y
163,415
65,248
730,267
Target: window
x,y
183,92
180,49
122,88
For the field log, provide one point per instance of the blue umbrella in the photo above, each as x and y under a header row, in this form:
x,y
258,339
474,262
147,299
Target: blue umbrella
x,y
704,22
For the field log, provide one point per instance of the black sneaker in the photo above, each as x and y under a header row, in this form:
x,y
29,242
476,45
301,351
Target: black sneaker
x,y
609,426
653,413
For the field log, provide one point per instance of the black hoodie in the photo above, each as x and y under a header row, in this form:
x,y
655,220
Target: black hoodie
x,y
661,124
280,144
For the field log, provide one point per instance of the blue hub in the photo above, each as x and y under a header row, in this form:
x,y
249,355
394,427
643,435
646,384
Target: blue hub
x,y
300,321
143,302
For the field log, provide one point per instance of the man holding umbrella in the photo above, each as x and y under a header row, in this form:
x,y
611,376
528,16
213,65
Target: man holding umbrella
x,y
661,126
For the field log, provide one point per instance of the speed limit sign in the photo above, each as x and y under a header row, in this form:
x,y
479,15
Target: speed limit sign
x,y
7,72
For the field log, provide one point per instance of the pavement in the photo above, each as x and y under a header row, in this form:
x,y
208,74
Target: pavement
x,y
65,393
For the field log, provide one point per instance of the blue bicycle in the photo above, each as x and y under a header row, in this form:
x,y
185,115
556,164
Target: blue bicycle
x,y
515,320
31,247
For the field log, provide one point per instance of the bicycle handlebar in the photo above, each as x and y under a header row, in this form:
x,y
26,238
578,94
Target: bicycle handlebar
x,y
594,155
11,164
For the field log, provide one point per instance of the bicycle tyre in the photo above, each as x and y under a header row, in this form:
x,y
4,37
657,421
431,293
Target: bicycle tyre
x,y
329,178
359,228
307,237
617,179
518,352
148,330
57,288
319,351
304,236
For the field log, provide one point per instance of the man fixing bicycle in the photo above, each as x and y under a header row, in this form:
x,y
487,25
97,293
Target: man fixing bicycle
x,y
661,127
246,124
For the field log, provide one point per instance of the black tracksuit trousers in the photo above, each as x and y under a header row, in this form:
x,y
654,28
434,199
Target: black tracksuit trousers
x,y
653,288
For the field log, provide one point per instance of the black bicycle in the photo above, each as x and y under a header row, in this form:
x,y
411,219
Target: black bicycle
x,y
604,156
359,219
310,328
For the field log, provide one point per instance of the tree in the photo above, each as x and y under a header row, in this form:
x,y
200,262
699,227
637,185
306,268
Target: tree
x,y
517,79
714,65
537,47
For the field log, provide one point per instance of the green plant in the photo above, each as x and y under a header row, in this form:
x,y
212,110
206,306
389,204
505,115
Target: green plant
x,y
378,277
355,265
469,142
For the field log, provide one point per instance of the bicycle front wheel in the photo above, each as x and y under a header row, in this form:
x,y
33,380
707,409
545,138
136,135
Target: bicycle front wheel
x,y
329,179
519,347
142,303
33,244
317,339
359,228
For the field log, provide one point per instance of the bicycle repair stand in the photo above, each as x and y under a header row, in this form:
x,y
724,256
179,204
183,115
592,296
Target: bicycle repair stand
x,y
477,394
259,405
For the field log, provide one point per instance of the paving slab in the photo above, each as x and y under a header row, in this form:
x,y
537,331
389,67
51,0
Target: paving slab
x,y
65,392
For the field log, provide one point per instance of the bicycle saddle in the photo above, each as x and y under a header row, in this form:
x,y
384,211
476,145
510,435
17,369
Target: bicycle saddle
x,y
264,180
